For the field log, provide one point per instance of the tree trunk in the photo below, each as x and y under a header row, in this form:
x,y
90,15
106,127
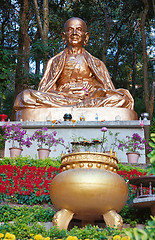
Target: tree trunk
x,y
134,74
149,97
116,62
22,69
108,27
19,68
37,71
45,29
46,20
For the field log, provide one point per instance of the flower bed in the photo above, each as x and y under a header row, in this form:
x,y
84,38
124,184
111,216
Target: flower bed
x,y
22,183
30,184
22,231
26,184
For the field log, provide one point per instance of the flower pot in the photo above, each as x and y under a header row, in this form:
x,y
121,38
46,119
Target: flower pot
x,y
43,153
15,152
133,157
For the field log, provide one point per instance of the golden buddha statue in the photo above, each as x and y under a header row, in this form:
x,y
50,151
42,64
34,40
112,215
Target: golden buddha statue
x,y
74,78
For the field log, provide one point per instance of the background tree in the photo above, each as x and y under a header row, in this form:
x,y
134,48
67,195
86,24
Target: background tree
x,y
31,29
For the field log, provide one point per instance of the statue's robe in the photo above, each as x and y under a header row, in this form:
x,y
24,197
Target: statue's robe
x,y
49,94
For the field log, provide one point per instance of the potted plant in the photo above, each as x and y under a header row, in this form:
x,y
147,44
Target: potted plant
x,y
17,135
96,144
79,144
114,142
132,145
45,141
104,138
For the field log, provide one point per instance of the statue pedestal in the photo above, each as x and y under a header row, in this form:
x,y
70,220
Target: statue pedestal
x,y
104,113
87,129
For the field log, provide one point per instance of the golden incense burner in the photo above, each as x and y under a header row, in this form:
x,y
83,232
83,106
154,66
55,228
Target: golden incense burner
x,y
88,188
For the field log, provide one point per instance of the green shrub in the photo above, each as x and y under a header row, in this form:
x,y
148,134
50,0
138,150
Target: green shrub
x,y
147,233
22,161
22,230
35,213
135,216
151,154
129,168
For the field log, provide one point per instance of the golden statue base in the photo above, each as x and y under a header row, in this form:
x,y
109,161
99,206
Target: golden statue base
x,y
104,113
89,189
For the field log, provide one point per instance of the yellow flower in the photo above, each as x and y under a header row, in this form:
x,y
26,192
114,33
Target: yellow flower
x,y
10,236
7,235
47,238
72,238
1,235
116,237
125,238
38,237
31,234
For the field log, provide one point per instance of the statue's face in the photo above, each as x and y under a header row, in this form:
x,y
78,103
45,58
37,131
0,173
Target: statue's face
x,y
75,33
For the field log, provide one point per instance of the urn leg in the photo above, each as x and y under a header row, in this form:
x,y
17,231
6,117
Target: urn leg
x,y
113,219
62,218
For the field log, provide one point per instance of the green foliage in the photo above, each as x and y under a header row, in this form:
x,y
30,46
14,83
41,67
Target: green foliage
x,y
134,216
129,168
2,141
142,234
27,160
22,230
151,154
7,71
34,214
152,128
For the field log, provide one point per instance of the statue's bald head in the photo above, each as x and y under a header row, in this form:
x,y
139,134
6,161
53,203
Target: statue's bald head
x,y
75,19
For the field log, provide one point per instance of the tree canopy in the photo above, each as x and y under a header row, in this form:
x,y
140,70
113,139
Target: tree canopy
x,y
121,35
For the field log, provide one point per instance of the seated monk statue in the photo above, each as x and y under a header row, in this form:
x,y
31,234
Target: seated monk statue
x,y
74,78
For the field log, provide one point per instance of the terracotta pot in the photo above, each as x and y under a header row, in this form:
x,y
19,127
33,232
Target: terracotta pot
x,y
133,157
43,153
15,152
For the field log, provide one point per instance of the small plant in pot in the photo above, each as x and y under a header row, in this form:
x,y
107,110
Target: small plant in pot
x,y
17,136
104,138
113,143
133,145
45,141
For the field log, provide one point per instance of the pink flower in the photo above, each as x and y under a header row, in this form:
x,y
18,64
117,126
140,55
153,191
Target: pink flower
x,y
141,123
104,129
